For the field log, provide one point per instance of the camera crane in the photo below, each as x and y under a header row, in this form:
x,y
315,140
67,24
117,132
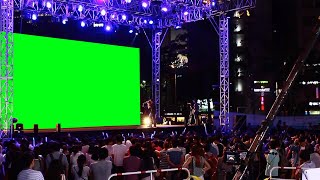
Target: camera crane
x,y
265,125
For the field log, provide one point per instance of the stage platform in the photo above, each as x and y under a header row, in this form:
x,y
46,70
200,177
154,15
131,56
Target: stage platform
x,y
159,127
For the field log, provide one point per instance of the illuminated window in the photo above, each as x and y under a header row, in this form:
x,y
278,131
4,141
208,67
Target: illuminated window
x,y
239,87
238,28
238,59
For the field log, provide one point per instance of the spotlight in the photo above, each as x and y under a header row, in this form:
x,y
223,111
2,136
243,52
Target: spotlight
x,y
137,34
80,8
128,1
34,17
185,13
49,5
64,20
83,24
150,22
130,31
124,17
113,16
178,27
145,21
108,28
213,3
103,12
146,121
164,9
144,4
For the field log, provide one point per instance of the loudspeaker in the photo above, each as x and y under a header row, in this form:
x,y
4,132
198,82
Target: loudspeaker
x,y
19,127
58,128
35,129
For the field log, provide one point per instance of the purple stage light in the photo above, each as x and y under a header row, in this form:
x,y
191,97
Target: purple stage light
x,y
128,1
108,28
113,16
144,4
124,17
186,13
150,22
34,17
130,31
145,21
80,8
103,12
213,3
83,24
49,5
164,9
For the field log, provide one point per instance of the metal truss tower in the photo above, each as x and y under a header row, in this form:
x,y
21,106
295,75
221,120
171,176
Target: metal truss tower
x,y
156,44
6,68
224,71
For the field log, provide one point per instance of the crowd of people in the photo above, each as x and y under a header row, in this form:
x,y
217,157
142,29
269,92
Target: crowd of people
x,y
96,158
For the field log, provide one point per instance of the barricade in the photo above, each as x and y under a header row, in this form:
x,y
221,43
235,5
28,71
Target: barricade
x,y
151,172
277,167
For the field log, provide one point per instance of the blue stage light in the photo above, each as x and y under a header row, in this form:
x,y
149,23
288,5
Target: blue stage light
x,y
83,24
130,31
150,22
49,5
34,17
144,4
164,9
186,13
145,21
213,3
103,12
108,28
124,17
80,8
128,1
64,20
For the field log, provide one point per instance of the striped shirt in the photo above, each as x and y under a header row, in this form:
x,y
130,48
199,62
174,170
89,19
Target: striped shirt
x,y
30,174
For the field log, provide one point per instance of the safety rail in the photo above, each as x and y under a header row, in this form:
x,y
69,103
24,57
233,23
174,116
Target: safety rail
x,y
150,172
278,167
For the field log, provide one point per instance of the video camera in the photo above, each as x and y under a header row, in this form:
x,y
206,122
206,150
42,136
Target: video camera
x,y
234,158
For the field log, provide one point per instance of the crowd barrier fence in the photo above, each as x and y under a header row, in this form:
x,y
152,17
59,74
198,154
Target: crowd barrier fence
x,y
150,172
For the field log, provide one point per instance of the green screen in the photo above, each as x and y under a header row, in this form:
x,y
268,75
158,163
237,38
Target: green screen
x,y
76,84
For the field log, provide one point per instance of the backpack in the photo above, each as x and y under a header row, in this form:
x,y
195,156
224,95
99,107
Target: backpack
x,y
57,162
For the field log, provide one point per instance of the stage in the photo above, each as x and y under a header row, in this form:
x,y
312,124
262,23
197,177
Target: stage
x,y
120,129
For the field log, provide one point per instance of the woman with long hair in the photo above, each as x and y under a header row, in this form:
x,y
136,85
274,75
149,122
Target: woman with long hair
x,y
80,171
197,163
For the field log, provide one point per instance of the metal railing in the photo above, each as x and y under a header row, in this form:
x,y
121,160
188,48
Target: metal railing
x,y
277,167
150,172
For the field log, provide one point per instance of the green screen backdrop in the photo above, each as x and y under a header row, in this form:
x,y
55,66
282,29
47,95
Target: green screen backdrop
x,y
76,84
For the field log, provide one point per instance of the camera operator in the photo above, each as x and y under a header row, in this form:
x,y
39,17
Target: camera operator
x,y
273,159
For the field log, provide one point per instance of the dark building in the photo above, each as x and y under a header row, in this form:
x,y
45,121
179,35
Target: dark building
x,y
251,60
290,34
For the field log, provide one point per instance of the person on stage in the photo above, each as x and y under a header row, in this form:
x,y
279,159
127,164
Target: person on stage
x,y
152,111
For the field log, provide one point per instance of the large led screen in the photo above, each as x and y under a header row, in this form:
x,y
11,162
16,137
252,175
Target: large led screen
x,y
74,83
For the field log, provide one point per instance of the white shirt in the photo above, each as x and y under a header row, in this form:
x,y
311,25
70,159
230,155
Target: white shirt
x,y
30,174
85,173
119,151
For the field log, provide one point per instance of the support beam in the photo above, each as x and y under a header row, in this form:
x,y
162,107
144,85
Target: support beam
x,y
224,71
6,68
156,44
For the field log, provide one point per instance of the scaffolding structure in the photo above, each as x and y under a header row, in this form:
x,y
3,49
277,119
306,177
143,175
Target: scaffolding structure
x,y
150,16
